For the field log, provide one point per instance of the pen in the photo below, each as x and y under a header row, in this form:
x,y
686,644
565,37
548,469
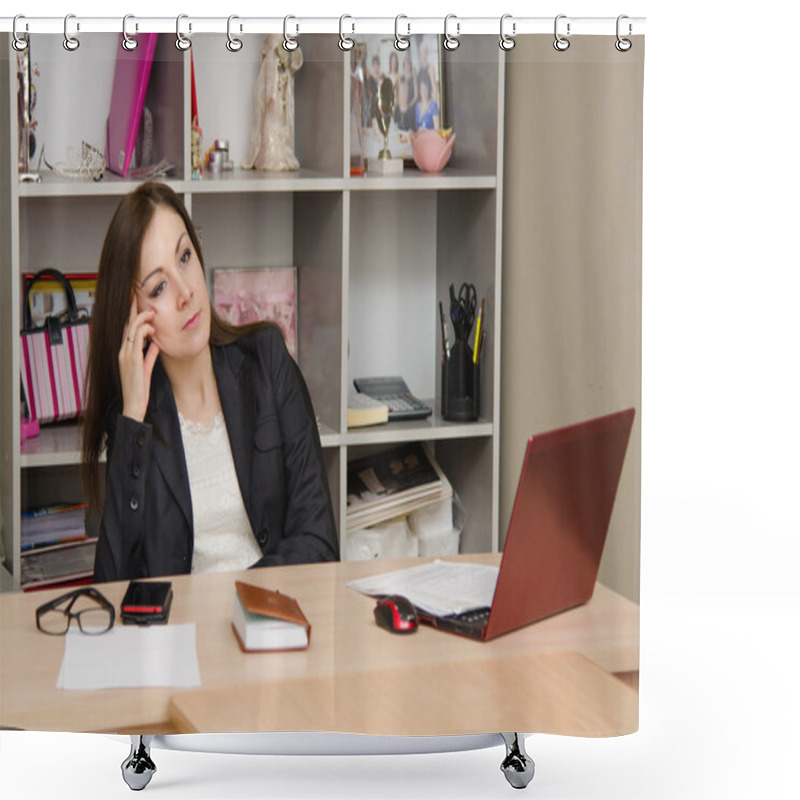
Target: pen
x,y
445,344
478,333
480,345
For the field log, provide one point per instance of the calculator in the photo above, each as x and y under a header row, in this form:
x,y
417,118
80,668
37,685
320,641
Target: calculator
x,y
394,392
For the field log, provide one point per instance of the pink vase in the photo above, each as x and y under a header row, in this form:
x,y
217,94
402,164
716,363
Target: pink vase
x,y
431,149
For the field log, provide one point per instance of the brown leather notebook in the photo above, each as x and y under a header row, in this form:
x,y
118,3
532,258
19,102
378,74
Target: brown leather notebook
x,y
264,619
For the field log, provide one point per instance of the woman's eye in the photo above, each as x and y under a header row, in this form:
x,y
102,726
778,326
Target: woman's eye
x,y
186,255
159,287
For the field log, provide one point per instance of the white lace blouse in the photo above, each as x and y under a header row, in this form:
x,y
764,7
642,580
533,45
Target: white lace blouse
x,y
223,538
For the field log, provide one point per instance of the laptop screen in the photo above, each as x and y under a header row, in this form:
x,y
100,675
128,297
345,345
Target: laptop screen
x,y
560,520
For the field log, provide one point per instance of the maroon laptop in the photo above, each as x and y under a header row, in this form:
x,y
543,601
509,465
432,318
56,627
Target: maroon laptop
x,y
558,527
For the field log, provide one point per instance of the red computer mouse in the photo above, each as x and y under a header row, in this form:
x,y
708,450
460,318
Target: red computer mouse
x,y
396,614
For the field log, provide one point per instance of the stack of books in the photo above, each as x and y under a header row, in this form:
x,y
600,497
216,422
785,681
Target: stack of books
x,y
55,547
391,484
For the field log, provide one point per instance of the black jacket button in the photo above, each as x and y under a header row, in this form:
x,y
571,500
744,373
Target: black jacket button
x,y
136,471
140,440
134,502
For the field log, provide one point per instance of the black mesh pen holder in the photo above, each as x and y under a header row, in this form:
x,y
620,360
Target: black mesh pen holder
x,y
461,386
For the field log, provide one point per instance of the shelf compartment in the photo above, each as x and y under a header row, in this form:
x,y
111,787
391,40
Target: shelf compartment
x,y
226,85
392,306
468,465
74,97
406,248
303,230
90,214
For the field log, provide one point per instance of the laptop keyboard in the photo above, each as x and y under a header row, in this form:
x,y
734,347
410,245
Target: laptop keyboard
x,y
480,616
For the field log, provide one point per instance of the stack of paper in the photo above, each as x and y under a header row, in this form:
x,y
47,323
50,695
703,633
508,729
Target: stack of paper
x,y
130,657
48,566
391,484
440,588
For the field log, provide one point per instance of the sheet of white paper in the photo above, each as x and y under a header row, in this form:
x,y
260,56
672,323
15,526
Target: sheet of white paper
x,y
440,587
130,657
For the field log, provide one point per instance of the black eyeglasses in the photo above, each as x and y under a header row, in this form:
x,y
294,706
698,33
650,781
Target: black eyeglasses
x,y
94,613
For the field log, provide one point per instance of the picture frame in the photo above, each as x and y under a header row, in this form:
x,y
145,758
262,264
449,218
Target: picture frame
x,y
242,295
419,67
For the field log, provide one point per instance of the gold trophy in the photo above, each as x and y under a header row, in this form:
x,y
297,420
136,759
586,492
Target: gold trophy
x,y
383,108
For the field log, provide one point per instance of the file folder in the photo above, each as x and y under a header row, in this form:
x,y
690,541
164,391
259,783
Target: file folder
x,y
131,76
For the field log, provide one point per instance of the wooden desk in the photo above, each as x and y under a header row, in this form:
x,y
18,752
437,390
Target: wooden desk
x,y
554,676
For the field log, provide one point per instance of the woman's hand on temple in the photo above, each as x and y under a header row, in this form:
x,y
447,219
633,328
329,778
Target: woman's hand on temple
x,y
136,366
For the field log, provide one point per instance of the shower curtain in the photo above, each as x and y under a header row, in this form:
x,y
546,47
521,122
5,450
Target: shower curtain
x,y
539,206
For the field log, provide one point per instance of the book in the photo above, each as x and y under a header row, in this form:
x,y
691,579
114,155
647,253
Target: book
x,y
268,620
365,410
393,483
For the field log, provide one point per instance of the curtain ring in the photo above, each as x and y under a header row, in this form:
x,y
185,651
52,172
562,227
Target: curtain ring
x,y
623,45
19,42
182,42
507,42
70,42
400,42
289,42
345,42
233,44
128,43
451,42
561,43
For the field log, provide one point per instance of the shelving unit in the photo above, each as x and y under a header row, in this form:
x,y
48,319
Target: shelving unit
x,y
374,254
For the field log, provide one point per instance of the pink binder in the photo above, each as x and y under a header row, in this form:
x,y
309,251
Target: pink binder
x,y
131,74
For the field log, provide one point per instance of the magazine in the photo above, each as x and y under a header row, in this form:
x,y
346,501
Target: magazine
x,y
393,483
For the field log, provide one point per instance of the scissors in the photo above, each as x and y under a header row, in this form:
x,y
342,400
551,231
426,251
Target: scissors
x,y
462,309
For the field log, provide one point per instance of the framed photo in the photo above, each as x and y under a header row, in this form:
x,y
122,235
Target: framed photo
x,y
245,295
418,81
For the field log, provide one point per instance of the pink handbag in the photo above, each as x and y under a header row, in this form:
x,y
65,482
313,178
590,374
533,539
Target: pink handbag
x,y
53,358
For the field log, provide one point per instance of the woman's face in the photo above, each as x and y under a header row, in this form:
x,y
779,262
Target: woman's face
x,y
171,283
424,94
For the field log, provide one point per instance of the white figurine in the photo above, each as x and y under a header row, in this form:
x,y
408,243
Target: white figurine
x,y
272,134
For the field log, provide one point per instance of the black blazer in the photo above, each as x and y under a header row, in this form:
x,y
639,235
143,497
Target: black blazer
x,y
147,529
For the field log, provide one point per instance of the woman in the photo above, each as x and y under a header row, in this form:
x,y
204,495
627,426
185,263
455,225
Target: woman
x,y
411,81
394,71
404,114
427,108
213,455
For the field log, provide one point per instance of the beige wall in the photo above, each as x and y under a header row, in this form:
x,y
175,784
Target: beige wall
x,y
571,308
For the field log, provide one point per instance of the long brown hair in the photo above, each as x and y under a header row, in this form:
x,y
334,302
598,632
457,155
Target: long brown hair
x,y
116,276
